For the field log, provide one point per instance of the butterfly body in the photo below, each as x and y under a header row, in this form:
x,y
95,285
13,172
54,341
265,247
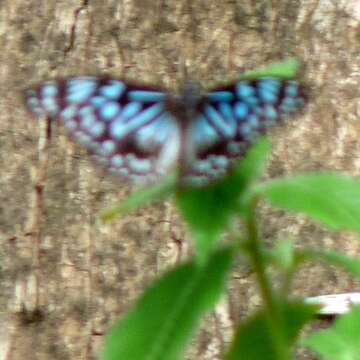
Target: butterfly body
x,y
142,133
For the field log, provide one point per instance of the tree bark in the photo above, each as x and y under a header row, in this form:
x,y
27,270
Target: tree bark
x,y
65,277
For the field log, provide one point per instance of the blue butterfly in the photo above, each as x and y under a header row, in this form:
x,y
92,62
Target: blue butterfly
x,y
141,133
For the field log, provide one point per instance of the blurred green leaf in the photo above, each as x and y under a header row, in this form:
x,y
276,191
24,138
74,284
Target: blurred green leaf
x,y
166,316
331,199
141,197
254,341
341,341
207,210
284,70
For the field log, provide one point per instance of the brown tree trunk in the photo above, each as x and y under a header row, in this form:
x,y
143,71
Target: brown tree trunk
x,y
65,277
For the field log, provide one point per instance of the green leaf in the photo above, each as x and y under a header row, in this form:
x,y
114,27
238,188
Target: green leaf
x,y
341,341
140,197
168,313
207,210
254,341
331,199
284,70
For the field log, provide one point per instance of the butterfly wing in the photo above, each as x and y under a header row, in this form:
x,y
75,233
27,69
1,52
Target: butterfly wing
x,y
124,127
230,119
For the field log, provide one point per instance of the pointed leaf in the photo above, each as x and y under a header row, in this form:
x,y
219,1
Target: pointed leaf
x,y
253,340
168,313
331,199
140,197
284,70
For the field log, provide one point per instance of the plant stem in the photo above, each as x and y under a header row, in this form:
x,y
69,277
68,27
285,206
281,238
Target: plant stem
x,y
273,313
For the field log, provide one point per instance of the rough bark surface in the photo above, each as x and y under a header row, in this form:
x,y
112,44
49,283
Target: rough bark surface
x,y
79,275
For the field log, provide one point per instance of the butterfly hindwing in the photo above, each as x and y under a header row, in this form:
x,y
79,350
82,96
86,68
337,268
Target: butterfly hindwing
x,y
230,118
124,127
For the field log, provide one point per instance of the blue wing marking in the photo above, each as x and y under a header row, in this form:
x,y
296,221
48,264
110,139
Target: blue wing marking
x,y
80,89
219,122
114,90
244,89
220,96
146,96
119,128
131,109
109,110
203,134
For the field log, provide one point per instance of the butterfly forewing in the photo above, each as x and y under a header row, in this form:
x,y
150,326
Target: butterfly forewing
x,y
124,127
230,118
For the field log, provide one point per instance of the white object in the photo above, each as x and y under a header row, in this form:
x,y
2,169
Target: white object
x,y
336,304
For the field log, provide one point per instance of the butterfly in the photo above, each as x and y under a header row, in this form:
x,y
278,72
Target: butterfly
x,y
142,133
